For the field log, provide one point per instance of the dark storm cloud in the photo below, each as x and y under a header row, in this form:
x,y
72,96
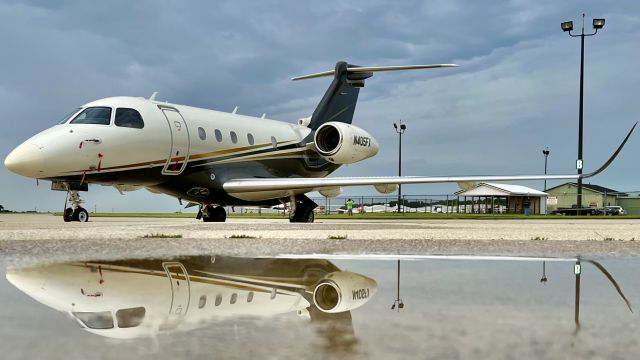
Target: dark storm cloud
x,y
516,88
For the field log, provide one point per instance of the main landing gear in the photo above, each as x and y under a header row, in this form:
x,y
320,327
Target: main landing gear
x,y
75,212
210,213
301,209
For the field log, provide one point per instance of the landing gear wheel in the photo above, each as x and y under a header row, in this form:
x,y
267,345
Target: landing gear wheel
x,y
81,215
68,215
212,213
303,211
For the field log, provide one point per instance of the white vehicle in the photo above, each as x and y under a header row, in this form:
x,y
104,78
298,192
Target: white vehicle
x,y
214,159
614,210
140,297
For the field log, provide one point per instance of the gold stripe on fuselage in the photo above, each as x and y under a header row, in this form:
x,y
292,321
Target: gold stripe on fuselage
x,y
202,156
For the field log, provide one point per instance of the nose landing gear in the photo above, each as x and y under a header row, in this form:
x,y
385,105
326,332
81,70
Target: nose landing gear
x,y
75,212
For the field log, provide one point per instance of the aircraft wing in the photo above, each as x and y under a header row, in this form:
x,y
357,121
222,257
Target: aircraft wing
x,y
314,184
281,187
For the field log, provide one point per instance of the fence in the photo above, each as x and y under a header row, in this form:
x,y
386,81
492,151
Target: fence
x,y
445,204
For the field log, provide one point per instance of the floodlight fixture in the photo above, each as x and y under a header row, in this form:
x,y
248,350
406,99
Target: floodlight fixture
x,y
568,25
598,23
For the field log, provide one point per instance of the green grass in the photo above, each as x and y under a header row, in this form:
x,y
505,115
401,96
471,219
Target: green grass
x,y
337,237
162,236
241,236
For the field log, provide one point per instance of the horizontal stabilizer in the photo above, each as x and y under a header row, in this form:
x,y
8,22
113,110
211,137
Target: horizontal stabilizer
x,y
371,69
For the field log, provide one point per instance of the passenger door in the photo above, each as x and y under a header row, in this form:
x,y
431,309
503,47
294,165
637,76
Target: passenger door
x,y
179,155
180,288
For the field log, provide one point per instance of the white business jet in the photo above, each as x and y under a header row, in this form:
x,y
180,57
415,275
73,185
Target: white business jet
x,y
215,159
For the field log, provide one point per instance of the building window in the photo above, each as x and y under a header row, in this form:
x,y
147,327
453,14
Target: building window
x,y
250,139
202,134
234,137
218,134
202,302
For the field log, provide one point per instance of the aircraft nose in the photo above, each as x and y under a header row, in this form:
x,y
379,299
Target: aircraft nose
x,y
27,281
26,160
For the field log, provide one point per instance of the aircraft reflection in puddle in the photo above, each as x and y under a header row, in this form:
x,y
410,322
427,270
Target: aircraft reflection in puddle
x,y
399,304
137,298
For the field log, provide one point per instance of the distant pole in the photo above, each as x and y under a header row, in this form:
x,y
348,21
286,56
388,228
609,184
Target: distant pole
x,y
400,129
546,153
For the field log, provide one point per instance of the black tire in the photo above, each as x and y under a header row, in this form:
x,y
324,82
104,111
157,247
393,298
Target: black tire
x,y
302,215
220,214
81,215
67,216
214,214
207,213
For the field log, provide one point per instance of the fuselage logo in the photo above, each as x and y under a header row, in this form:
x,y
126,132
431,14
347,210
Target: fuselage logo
x,y
361,140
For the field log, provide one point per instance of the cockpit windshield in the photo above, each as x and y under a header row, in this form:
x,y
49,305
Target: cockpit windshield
x,y
69,115
93,115
95,320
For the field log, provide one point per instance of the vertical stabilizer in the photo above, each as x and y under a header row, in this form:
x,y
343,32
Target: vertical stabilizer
x,y
339,101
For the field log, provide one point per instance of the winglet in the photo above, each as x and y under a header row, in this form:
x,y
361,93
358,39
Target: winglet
x,y
613,157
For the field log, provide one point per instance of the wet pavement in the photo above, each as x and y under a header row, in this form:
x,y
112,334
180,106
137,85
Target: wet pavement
x,y
312,297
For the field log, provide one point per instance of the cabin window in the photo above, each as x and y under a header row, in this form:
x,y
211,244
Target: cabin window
x,y
250,139
218,300
274,143
202,302
250,297
234,298
69,115
129,118
202,134
218,134
95,320
234,137
93,115
128,318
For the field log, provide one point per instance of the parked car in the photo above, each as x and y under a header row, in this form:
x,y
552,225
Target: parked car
x,y
613,210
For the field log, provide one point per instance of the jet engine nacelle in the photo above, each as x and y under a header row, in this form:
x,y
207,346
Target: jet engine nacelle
x,y
386,188
343,291
342,143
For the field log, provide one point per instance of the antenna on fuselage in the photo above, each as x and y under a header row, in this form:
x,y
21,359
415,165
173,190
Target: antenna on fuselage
x,y
235,110
153,96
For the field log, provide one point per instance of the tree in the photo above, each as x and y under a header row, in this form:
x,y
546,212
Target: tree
x,y
1,208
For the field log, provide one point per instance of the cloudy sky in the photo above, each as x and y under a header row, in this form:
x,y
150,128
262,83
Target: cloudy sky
x,y
515,92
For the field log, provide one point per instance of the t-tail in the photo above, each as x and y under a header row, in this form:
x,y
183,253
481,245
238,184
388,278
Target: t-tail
x,y
339,101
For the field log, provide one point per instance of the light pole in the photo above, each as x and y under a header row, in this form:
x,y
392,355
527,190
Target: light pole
x,y
567,26
400,129
398,302
546,153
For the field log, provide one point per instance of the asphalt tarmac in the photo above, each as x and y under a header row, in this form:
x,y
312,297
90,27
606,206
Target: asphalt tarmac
x,y
45,237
